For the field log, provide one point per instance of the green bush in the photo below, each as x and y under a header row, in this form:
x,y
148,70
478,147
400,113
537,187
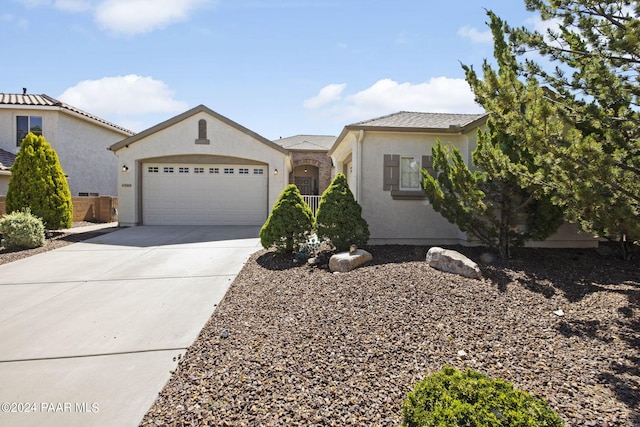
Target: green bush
x,y
454,398
22,230
289,224
339,217
38,182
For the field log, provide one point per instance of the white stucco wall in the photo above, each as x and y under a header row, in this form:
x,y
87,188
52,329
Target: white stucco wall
x,y
81,145
393,221
179,140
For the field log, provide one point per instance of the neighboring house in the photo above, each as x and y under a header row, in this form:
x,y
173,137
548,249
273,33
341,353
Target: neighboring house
x,y
199,168
80,139
382,159
6,161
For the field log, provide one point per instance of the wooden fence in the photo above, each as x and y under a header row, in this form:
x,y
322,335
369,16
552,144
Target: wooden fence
x,y
92,209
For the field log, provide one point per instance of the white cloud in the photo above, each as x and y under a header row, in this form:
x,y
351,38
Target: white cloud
x,y
130,17
327,94
438,95
130,95
475,35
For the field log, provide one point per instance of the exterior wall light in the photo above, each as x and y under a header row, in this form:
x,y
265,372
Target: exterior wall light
x,y
275,171
125,168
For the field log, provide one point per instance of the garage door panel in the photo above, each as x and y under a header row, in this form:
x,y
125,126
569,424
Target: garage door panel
x,y
209,197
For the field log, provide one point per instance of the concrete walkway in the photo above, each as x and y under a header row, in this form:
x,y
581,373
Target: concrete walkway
x,y
90,332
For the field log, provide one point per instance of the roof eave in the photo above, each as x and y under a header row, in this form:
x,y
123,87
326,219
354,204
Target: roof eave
x,y
183,116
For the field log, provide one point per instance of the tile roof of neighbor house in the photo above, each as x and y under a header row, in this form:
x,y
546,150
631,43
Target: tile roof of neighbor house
x,y
47,101
406,119
307,142
6,159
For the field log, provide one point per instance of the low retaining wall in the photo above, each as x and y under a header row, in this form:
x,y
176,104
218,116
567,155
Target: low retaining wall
x,y
93,209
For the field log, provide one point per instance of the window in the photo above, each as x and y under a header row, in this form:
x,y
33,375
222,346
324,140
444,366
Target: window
x,y
214,170
243,171
198,170
183,170
168,169
26,124
409,173
153,169
228,171
258,171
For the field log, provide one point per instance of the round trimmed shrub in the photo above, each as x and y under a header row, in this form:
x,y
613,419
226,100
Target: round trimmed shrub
x,y
471,399
22,230
289,224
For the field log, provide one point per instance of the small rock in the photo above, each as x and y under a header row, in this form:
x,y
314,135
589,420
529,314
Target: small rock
x,y
462,353
559,313
224,334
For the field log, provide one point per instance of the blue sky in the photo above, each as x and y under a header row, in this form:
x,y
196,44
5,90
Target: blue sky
x,y
279,67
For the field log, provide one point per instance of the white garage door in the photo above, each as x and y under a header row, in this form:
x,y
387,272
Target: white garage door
x,y
198,194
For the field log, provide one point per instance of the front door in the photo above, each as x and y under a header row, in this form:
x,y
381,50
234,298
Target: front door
x,y
304,184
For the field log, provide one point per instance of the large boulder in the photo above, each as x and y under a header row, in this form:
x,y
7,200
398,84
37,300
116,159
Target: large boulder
x,y
453,262
347,261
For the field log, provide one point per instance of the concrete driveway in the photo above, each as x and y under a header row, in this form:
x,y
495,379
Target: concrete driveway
x,y
90,332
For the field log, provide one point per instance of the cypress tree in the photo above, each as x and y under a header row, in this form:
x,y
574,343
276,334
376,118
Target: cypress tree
x,y
38,182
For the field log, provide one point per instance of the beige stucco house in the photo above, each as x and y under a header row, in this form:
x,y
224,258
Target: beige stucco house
x,y
199,167
80,139
382,159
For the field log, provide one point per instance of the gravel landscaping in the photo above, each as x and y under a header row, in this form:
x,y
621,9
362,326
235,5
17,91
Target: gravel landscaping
x,y
293,344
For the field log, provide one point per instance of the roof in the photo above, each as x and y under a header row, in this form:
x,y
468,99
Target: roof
x,y
183,116
6,159
29,100
406,119
307,142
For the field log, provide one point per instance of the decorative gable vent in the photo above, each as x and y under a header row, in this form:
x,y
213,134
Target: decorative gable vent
x,y
202,132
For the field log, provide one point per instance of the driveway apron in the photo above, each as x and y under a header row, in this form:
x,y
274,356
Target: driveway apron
x,y
90,333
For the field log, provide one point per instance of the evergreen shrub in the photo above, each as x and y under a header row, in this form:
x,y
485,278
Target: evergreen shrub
x,y
39,183
289,224
454,398
22,230
339,217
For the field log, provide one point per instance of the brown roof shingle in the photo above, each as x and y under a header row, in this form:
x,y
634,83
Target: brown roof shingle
x,y
407,119
306,142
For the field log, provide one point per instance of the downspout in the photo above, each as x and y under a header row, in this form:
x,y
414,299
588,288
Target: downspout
x,y
359,165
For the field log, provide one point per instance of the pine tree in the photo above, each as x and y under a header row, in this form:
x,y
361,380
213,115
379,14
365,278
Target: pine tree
x,y
289,224
489,203
339,216
37,182
579,120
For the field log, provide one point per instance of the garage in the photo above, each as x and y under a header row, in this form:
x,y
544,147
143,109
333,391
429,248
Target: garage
x,y
204,194
199,168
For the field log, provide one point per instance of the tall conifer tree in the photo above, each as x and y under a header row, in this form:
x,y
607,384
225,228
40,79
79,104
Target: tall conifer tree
x,y
39,183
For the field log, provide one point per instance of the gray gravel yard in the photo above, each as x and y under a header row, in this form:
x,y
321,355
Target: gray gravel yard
x,y
308,347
